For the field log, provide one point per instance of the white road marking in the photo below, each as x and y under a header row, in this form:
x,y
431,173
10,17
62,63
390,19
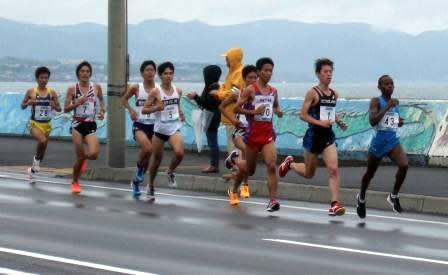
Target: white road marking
x,y
22,177
358,251
13,272
72,262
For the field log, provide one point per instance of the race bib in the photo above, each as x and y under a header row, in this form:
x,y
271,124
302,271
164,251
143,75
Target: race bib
x,y
170,113
43,112
328,113
86,110
390,121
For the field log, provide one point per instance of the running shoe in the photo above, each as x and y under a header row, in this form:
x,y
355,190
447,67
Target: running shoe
x,y
230,160
135,186
360,207
36,165
273,205
76,187
233,197
150,194
84,166
394,201
285,166
172,180
244,191
31,173
336,209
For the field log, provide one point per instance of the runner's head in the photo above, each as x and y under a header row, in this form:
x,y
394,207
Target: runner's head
x,y
148,70
42,75
166,72
324,70
386,85
249,74
84,71
265,67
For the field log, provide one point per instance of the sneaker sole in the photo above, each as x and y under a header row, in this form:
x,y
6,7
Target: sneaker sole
x,y
132,189
392,204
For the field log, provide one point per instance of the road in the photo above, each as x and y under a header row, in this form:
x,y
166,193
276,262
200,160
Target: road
x,y
429,181
45,229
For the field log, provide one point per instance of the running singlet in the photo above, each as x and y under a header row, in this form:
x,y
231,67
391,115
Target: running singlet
x,y
261,124
325,109
390,120
142,96
87,110
42,111
168,120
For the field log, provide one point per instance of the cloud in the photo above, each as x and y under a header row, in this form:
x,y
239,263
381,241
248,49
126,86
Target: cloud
x,y
412,16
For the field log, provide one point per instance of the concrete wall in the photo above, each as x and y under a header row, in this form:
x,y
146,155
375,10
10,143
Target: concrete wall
x,y
424,134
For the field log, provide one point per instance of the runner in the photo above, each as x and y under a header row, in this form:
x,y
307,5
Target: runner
x,y
82,99
319,110
260,102
385,118
165,101
143,127
43,101
240,122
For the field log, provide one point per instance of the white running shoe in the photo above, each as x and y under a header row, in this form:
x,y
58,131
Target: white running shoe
x,y
172,180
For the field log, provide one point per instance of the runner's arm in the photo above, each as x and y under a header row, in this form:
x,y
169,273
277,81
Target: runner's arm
x,y
125,98
26,99
375,115
277,110
310,98
245,96
69,103
181,114
55,100
153,103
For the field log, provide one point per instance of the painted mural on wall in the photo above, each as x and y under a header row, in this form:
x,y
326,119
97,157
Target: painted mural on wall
x,y
422,121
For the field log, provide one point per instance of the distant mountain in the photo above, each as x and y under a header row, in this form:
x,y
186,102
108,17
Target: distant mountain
x,y
360,52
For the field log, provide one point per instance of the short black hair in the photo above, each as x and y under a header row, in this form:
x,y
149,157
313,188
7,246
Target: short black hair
x,y
165,65
82,64
147,63
263,61
41,70
322,62
380,80
249,69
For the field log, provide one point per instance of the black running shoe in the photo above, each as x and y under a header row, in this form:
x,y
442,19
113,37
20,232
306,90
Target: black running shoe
x,y
273,205
361,207
394,201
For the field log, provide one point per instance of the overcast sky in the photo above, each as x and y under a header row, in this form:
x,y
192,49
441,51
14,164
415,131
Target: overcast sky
x,y
411,16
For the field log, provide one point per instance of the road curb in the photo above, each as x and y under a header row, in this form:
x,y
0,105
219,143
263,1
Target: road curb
x,y
290,191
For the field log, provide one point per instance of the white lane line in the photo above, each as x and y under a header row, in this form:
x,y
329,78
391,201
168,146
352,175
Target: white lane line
x,y
13,272
72,262
21,177
365,252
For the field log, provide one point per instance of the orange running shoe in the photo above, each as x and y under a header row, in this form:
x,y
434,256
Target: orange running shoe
x,y
244,191
84,166
233,196
76,187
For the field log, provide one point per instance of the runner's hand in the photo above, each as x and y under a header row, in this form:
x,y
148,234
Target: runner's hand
x,y
342,125
326,123
81,100
182,116
236,123
133,114
191,95
260,110
392,103
101,115
279,113
401,122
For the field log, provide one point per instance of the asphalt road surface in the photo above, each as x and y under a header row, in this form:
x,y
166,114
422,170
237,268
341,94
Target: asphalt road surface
x,y
45,229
